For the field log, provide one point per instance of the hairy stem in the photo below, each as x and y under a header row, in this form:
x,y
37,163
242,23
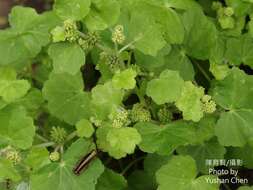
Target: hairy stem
x,y
131,164
47,144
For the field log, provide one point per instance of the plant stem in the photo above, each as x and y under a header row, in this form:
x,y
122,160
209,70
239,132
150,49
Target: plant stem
x,y
131,164
82,34
129,58
203,71
41,138
141,98
71,136
47,144
128,45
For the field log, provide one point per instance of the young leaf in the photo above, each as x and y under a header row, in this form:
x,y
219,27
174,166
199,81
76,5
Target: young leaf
x,y
84,128
66,99
67,57
200,34
118,142
169,83
164,139
124,79
29,32
111,180
7,171
13,90
189,102
74,9
17,128
103,14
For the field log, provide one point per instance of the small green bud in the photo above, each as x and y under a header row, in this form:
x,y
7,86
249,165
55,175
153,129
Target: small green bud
x,y
111,60
120,118
13,156
54,156
227,22
70,30
83,43
140,114
118,35
89,41
206,98
208,106
216,5
58,134
229,11
164,115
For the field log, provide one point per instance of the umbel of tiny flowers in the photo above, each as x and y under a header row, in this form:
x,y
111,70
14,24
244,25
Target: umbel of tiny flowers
x,y
120,118
118,36
70,29
11,154
67,32
89,40
58,135
111,59
164,114
54,156
139,113
209,106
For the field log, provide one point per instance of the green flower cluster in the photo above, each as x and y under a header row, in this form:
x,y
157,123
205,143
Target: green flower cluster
x,y
89,41
54,156
120,118
11,154
58,134
67,32
118,36
209,106
225,15
111,59
164,114
139,113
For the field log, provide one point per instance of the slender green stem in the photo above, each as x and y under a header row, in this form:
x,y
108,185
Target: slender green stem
x,y
57,148
129,58
71,136
141,98
101,47
128,45
131,164
47,144
61,151
41,138
82,34
203,71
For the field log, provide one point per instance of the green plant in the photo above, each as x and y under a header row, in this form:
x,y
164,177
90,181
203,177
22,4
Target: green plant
x,y
130,94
